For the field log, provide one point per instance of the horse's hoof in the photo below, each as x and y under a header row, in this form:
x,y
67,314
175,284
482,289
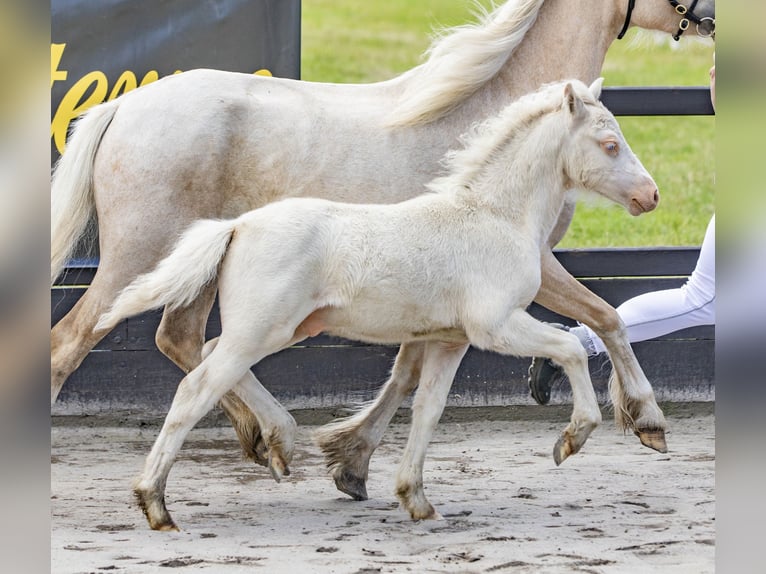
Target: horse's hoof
x,y
653,438
278,467
351,484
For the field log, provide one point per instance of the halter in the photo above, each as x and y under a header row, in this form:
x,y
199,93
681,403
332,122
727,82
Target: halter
x,y
705,26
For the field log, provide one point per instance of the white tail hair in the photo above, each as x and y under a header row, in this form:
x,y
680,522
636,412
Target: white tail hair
x,y
72,185
178,279
462,60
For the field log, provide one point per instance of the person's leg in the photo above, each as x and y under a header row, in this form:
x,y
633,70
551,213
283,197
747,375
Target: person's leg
x,y
646,316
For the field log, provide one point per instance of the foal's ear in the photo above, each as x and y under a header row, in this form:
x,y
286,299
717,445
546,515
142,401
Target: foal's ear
x,y
573,102
595,88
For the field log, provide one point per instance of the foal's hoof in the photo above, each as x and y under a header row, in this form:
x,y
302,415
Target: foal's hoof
x,y
567,445
653,438
154,509
165,527
259,454
429,513
278,467
351,484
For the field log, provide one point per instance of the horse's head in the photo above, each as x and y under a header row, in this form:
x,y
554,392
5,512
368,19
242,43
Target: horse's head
x,y
673,16
598,158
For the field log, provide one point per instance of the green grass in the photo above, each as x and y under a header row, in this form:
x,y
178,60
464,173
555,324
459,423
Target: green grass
x,y
349,41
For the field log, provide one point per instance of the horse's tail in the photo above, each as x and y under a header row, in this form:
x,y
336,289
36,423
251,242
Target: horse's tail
x,y
178,279
72,202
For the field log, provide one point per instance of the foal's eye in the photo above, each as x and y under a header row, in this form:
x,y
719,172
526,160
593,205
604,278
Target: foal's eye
x,y
611,147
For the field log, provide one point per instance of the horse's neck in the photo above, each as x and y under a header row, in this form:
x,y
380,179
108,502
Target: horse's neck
x,y
569,39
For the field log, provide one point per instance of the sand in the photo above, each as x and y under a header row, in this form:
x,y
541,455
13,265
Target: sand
x,y
614,507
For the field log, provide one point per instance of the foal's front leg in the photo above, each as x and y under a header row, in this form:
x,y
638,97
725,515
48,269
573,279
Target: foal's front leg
x,y
522,334
440,363
632,395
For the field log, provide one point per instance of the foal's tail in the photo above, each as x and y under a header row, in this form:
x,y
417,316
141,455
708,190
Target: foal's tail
x,y
178,279
72,202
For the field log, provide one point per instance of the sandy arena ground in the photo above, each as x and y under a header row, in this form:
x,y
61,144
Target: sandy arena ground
x,y
616,507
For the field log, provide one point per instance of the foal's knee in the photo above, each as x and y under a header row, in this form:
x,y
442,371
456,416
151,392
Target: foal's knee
x,y
570,354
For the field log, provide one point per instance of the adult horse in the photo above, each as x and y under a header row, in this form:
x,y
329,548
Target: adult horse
x,y
215,144
444,269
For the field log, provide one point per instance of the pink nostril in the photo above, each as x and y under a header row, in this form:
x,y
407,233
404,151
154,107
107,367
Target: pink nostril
x,y
656,196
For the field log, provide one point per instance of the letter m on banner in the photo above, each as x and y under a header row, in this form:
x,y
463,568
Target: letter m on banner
x,y
103,48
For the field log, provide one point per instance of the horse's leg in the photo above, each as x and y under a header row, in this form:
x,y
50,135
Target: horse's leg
x,y
180,337
440,363
632,395
73,337
349,443
198,392
524,335
276,426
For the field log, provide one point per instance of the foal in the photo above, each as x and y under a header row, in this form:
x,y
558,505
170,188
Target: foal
x,y
450,268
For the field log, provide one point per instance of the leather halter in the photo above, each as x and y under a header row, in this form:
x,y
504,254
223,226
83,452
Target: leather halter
x,y
705,26
688,16
631,5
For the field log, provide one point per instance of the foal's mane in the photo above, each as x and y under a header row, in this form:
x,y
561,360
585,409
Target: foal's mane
x,y
461,60
485,140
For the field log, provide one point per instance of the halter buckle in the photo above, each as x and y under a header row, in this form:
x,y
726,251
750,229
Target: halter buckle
x,y
683,24
681,9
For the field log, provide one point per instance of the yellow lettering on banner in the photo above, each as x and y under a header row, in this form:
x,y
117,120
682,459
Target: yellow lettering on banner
x,y
57,50
73,104
90,90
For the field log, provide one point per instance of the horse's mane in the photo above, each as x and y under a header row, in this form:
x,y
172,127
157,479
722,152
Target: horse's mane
x,y
486,139
461,60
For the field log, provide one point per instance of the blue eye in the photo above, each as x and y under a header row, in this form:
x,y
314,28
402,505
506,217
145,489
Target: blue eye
x,y
611,147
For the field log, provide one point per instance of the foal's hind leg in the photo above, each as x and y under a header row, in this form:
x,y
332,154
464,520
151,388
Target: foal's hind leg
x,y
349,443
632,395
439,365
180,337
276,426
196,395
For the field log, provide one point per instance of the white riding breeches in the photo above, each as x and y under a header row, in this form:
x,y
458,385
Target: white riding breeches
x,y
657,313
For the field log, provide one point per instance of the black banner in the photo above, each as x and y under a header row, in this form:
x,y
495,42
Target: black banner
x,y
103,48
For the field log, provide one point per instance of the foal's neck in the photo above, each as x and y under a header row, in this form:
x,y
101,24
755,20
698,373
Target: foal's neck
x,y
526,183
